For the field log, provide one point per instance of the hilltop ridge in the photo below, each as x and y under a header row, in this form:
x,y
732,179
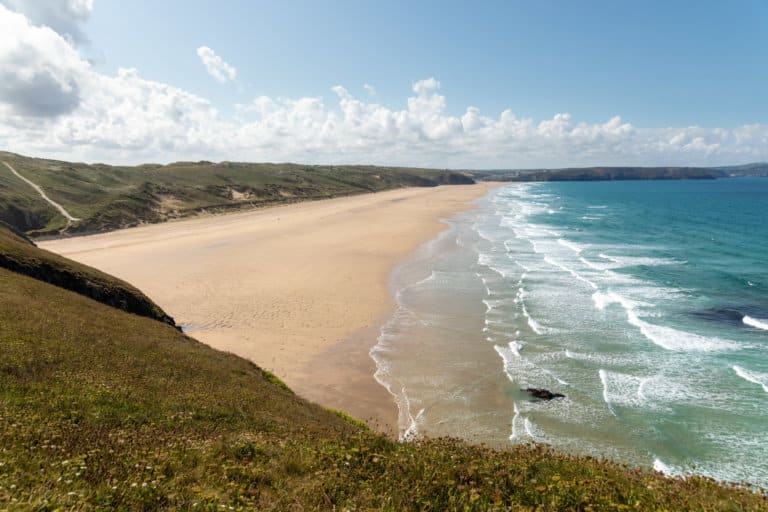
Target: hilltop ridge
x,y
102,197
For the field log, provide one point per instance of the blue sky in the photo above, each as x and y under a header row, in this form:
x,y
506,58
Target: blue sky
x,y
655,63
688,80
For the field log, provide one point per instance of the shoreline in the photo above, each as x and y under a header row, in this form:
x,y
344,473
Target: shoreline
x,y
301,289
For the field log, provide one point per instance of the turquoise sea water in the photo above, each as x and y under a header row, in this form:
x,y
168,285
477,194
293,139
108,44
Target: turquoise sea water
x,y
645,303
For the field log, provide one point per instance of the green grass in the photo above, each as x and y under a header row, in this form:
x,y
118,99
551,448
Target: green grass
x,y
109,197
19,254
105,410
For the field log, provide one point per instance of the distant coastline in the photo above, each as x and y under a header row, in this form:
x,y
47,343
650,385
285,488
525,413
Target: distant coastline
x,y
607,173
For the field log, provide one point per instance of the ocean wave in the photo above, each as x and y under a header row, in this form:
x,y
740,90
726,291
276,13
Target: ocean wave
x,y
570,271
534,325
635,261
668,338
679,341
570,245
754,378
593,266
603,299
756,323
486,260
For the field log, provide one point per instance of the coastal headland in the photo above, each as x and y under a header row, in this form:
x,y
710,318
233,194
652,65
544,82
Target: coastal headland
x,y
299,289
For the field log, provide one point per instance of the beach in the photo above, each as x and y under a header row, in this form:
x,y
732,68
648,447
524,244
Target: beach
x,y
301,290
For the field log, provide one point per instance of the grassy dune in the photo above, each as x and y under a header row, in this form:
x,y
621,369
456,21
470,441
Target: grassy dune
x,y
108,197
104,409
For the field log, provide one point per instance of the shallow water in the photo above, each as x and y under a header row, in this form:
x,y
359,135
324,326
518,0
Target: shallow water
x,y
645,303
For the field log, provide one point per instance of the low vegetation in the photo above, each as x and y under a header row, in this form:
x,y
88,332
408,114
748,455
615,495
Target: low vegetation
x,y
101,409
19,254
108,197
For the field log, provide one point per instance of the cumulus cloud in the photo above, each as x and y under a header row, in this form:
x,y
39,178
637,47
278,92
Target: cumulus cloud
x,y
216,66
40,72
371,90
52,103
66,17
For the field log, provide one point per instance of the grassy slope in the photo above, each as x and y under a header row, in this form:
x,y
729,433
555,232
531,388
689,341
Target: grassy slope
x,y
20,255
101,409
107,197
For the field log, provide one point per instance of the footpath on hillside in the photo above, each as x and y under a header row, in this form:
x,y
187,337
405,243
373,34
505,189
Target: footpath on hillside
x,y
61,209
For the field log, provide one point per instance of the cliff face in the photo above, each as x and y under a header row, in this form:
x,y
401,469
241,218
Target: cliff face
x,y
19,254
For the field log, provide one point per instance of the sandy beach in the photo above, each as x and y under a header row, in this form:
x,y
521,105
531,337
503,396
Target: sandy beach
x,y
301,289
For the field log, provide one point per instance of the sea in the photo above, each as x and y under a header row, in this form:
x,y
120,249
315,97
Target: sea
x,y
645,303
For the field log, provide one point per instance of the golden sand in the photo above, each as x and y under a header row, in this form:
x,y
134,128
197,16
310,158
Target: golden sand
x,y
301,290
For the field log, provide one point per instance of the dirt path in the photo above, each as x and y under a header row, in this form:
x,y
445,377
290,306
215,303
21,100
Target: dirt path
x,y
39,190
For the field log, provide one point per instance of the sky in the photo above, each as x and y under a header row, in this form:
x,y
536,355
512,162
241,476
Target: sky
x,y
507,84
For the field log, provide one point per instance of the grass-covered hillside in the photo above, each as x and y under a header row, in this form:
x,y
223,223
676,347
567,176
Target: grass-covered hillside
x,y
109,197
101,409
19,254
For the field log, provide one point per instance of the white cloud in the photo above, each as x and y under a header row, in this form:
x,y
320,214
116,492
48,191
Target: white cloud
x,y
216,66
371,90
40,72
52,103
63,16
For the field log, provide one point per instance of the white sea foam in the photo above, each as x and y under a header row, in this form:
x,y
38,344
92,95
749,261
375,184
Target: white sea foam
x,y
592,265
527,269
606,398
632,261
430,277
412,432
536,326
755,378
487,288
597,207
667,470
570,245
677,340
756,323
515,416
486,260
666,337
603,299
570,271
530,429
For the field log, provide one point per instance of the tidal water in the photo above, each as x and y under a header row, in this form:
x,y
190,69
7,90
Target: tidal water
x,y
645,303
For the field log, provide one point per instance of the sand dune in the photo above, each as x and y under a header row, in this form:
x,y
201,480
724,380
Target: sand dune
x,y
298,289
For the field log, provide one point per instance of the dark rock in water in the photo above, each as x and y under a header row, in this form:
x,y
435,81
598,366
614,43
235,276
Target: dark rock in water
x,y
542,394
732,315
727,315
